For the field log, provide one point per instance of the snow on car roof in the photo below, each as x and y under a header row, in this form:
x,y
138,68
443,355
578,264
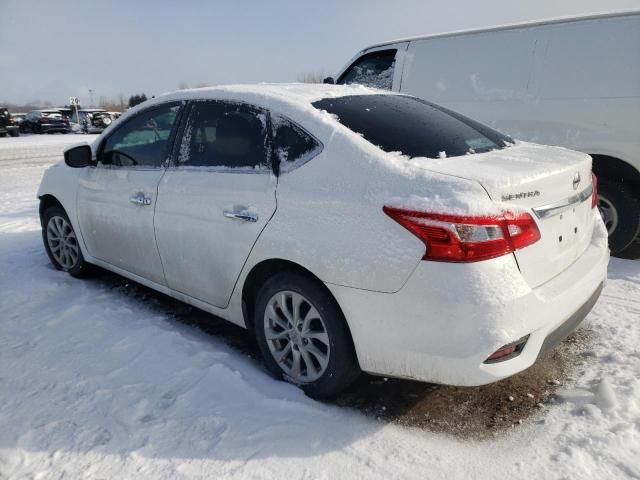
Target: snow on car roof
x,y
292,93
285,98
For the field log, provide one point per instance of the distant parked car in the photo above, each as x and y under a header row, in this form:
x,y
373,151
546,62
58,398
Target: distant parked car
x,y
92,120
18,119
7,126
568,82
349,228
46,121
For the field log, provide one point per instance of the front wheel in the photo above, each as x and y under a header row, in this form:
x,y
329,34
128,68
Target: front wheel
x,y
303,335
61,243
620,211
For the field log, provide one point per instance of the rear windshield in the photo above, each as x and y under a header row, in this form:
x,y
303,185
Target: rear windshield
x,y
413,127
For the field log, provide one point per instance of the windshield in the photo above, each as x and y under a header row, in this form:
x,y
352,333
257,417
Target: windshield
x,y
414,127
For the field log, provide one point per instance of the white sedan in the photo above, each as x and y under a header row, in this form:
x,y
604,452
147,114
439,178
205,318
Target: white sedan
x,y
350,229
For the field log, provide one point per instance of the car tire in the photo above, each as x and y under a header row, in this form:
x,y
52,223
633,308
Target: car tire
x,y
61,243
632,252
15,133
315,333
620,210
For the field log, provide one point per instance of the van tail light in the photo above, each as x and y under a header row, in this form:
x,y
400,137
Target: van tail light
x,y
464,238
594,192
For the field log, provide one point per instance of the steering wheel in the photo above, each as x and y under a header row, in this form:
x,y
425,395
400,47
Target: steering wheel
x,y
125,155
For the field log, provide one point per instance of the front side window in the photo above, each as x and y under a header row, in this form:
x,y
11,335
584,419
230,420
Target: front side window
x,y
143,141
372,70
411,126
292,146
224,134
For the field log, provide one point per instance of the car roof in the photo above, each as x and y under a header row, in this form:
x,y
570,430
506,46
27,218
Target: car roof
x,y
288,92
279,96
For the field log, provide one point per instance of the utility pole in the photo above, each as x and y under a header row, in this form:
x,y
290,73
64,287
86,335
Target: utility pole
x,y
91,96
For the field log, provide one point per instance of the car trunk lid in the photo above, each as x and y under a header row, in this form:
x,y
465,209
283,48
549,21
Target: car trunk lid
x,y
551,183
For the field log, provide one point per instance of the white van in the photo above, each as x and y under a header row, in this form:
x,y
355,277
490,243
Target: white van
x,y
570,82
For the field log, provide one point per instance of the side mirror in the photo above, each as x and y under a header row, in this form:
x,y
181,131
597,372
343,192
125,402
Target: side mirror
x,y
329,80
78,157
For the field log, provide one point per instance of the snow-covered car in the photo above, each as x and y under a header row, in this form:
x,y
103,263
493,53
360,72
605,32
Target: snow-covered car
x,y
349,228
93,120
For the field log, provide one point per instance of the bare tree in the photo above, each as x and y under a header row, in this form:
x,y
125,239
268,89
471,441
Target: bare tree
x,y
311,77
183,86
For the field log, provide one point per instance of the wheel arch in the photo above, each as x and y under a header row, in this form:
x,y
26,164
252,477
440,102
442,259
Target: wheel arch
x,y
265,269
615,169
47,201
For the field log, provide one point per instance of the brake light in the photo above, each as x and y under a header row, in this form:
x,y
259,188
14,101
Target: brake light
x,y
463,238
594,192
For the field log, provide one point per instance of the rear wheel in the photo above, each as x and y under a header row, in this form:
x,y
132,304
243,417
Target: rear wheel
x,y
15,132
303,335
620,211
61,242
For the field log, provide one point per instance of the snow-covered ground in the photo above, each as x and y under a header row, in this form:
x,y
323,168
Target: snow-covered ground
x,y
97,384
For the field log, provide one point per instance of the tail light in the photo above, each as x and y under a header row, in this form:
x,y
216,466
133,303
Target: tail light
x,y
462,238
594,192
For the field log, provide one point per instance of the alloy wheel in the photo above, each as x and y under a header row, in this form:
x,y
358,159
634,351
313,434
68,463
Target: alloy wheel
x,y
62,242
297,336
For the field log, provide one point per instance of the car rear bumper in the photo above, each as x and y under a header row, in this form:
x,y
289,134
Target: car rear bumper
x,y
449,318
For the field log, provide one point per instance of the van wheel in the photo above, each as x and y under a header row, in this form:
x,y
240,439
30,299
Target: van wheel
x,y
632,252
303,335
620,211
61,243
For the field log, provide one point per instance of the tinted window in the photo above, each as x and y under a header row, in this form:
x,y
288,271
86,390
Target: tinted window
x,y
414,127
224,134
290,142
143,140
373,70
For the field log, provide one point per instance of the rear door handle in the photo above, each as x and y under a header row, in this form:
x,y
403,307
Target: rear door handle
x,y
243,215
140,199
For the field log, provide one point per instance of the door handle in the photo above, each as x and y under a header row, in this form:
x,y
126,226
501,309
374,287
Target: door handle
x,y
243,215
140,199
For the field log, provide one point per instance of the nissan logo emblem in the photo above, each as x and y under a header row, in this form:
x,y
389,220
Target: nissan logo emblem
x,y
576,180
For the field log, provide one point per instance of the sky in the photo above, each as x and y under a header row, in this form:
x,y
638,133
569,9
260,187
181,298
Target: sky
x,y
51,50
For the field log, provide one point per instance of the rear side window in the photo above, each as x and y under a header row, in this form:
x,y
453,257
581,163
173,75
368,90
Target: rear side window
x,y
292,146
413,127
224,134
372,70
